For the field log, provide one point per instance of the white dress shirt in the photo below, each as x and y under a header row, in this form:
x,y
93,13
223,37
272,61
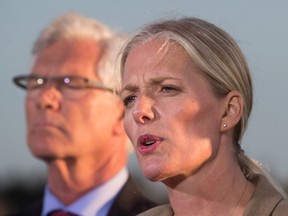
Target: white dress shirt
x,y
96,202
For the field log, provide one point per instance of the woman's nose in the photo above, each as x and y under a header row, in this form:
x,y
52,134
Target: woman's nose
x,y
143,110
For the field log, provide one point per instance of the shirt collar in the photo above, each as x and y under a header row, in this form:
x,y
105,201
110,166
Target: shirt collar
x,y
97,200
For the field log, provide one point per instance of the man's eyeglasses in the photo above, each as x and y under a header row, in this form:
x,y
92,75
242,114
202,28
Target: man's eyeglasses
x,y
71,87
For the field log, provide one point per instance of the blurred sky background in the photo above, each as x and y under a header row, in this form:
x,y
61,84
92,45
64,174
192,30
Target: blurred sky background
x,y
259,26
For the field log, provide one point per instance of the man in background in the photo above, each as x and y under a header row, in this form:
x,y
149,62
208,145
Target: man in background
x,y
74,121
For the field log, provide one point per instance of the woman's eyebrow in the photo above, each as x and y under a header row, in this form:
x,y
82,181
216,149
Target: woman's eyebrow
x,y
154,81
130,88
159,80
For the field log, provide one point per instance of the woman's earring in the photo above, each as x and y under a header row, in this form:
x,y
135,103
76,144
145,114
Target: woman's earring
x,y
225,125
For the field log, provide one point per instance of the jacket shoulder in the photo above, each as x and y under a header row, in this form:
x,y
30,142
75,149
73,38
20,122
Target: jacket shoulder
x,y
33,210
130,201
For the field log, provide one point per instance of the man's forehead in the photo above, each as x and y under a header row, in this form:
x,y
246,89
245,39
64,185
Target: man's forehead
x,y
77,57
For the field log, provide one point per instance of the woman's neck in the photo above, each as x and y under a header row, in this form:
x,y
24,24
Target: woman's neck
x,y
218,188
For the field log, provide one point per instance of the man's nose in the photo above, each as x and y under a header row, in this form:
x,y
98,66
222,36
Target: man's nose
x,y
48,97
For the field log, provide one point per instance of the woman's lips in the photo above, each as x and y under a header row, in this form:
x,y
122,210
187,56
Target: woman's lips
x,y
147,143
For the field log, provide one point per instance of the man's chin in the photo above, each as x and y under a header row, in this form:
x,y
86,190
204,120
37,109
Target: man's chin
x,y
44,151
45,156
43,146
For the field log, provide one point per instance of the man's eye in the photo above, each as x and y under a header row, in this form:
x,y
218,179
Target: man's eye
x,y
72,82
34,83
128,100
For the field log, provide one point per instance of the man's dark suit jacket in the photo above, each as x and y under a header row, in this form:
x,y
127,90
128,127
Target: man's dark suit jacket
x,y
128,202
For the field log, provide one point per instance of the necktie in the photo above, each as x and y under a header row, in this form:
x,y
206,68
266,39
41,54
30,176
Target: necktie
x,y
61,213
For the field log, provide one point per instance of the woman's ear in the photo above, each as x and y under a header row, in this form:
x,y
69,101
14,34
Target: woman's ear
x,y
232,111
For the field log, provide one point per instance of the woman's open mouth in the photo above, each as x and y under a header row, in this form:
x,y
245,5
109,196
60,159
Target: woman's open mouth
x,y
147,143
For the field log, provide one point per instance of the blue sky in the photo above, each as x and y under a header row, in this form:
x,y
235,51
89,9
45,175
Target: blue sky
x,y
260,28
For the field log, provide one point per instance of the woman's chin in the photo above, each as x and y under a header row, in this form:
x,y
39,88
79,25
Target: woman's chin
x,y
153,173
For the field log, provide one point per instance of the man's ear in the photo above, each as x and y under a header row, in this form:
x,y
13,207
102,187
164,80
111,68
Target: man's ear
x,y
232,110
119,126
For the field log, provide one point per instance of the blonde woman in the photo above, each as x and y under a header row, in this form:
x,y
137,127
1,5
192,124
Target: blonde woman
x,y
187,93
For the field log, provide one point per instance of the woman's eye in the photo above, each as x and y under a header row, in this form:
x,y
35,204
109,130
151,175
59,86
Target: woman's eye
x,y
168,89
128,100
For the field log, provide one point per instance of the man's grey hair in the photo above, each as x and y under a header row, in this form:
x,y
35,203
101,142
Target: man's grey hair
x,y
72,26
